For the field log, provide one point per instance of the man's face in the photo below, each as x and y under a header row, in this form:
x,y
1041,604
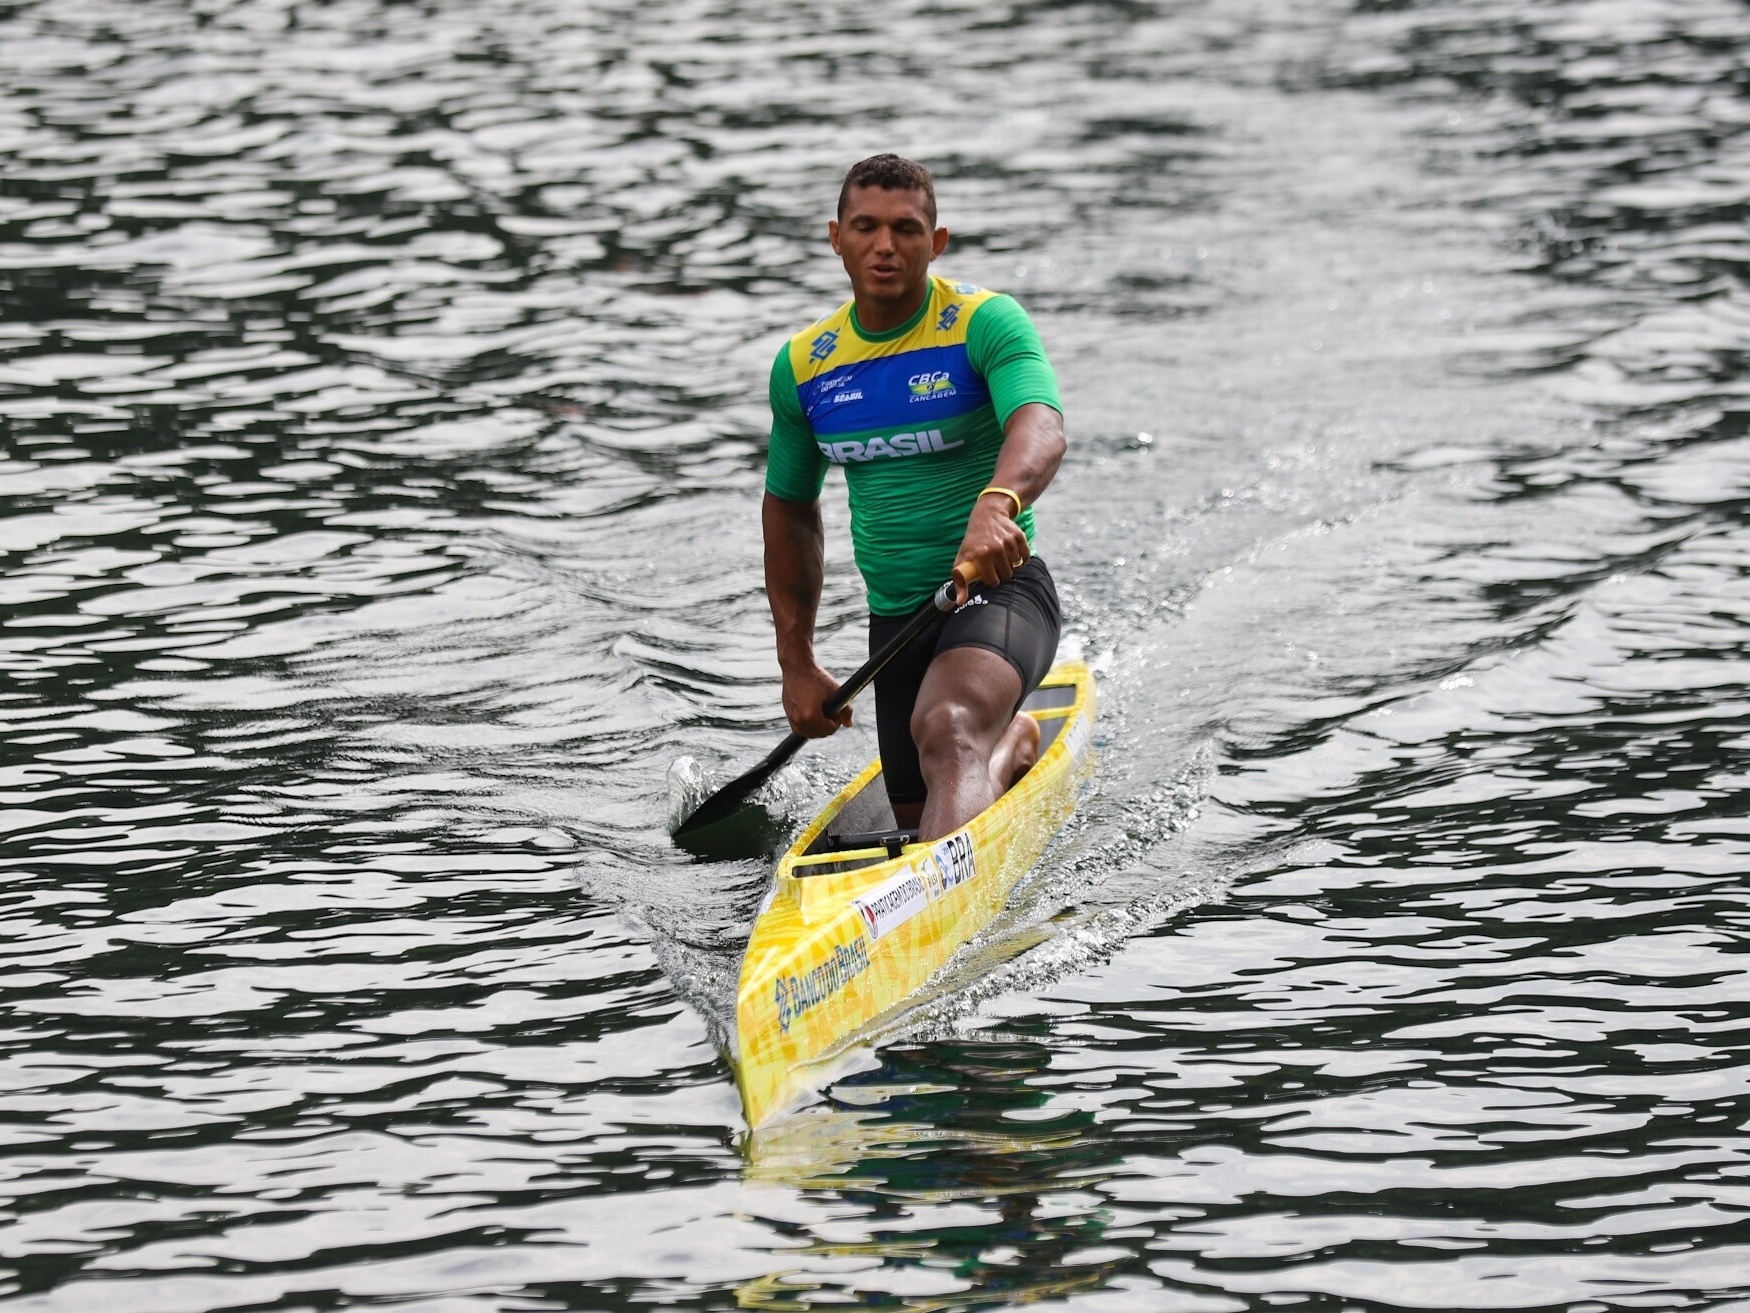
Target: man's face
x,y
887,243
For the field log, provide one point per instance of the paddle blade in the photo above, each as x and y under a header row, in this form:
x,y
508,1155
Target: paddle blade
x,y
732,797
747,831
723,804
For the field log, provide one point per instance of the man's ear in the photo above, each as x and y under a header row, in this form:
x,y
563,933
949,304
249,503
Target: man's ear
x,y
832,234
938,243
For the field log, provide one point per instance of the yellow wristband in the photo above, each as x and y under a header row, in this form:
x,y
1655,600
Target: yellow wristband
x,y
1011,494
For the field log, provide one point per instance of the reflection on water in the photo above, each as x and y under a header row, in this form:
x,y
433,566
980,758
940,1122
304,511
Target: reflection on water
x,y
966,1179
380,441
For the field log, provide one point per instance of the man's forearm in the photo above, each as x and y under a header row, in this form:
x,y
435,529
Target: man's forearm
x,y
1033,447
795,560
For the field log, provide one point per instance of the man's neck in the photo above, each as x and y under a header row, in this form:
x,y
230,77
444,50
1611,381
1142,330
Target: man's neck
x,y
885,316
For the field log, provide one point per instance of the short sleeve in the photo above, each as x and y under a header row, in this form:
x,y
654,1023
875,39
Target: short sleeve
x,y
1004,347
795,469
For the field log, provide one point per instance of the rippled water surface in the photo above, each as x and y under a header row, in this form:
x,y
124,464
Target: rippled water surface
x,y
381,406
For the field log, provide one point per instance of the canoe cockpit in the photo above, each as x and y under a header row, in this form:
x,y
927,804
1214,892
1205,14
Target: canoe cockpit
x,y
865,833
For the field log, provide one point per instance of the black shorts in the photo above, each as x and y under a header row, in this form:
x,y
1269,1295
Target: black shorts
x,y
1018,620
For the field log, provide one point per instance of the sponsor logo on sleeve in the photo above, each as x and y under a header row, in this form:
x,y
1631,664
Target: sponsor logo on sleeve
x,y
891,904
824,345
945,320
794,995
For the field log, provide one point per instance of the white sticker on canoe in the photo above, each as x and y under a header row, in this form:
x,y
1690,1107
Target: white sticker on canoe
x,y
955,864
1079,734
889,906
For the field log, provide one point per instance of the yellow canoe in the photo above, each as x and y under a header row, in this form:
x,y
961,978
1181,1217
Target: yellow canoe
x,y
859,917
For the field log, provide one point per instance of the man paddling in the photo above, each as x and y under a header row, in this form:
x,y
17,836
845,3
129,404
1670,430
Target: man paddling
x,y
937,400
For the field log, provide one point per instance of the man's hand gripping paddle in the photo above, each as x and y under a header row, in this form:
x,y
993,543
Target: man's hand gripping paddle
x,y
724,826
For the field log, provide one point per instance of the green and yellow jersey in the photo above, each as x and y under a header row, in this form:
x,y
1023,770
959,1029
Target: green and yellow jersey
x,y
915,417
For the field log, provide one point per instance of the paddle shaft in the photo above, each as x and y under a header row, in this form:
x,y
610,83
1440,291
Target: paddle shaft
x,y
724,802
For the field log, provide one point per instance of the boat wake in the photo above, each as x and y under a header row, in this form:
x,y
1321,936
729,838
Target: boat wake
x,y
1106,880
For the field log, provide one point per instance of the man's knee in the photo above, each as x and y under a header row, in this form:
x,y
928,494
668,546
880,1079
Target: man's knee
x,y
944,728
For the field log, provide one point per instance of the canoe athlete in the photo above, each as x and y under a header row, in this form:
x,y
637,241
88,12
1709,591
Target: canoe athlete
x,y
936,399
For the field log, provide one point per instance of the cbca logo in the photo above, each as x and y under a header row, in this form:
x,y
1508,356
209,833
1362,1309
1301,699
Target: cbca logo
x,y
930,385
824,345
946,319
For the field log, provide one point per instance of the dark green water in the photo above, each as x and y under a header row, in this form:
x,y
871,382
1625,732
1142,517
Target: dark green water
x,y
381,404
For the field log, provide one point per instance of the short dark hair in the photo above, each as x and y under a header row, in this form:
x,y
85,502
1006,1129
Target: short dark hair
x,y
890,173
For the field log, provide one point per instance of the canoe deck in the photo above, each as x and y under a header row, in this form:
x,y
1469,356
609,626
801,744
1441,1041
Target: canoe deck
x,y
860,914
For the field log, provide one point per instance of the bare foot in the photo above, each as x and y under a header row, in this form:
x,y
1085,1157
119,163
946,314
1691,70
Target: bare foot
x,y
1016,752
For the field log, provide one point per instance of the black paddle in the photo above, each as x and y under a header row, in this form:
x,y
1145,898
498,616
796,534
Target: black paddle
x,y
696,833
